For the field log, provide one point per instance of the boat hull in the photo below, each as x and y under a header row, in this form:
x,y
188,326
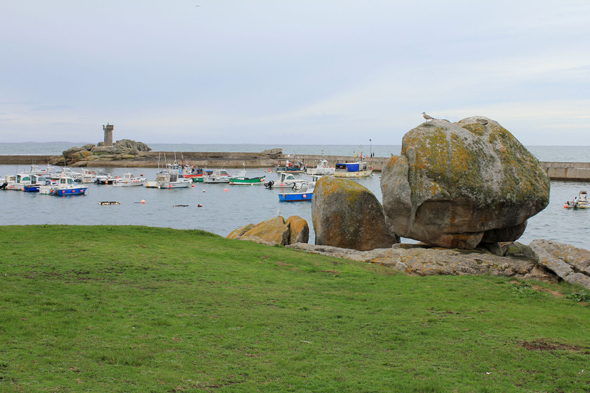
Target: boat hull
x,y
247,181
69,191
353,174
296,197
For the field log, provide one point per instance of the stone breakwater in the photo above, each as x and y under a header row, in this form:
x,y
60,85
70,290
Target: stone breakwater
x,y
574,171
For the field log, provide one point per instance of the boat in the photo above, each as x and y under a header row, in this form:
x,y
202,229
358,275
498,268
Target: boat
x,y
295,166
190,172
170,178
104,178
353,169
285,180
66,186
241,179
88,176
217,176
37,181
579,202
129,180
322,168
303,196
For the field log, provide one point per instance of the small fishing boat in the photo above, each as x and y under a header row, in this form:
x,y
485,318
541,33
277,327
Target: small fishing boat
x,y
353,169
36,182
129,180
170,178
105,178
296,197
295,166
195,174
322,168
88,176
579,202
286,180
67,186
241,179
217,176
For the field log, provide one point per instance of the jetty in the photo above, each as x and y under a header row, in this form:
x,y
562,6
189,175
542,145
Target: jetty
x,y
565,171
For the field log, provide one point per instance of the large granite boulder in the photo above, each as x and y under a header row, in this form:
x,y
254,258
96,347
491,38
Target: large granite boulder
x,y
346,214
127,145
457,185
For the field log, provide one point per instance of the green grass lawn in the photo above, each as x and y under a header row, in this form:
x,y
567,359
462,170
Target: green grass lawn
x,y
138,309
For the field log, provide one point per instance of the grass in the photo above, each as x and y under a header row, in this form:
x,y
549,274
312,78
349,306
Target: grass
x,y
138,309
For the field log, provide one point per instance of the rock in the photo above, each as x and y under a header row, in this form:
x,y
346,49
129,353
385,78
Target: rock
x,y
127,145
345,214
298,230
457,185
518,250
435,261
104,149
88,147
272,152
71,151
238,232
272,230
80,156
127,157
568,262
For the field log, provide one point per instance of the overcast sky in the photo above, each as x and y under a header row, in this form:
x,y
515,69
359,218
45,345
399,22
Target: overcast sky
x,y
291,71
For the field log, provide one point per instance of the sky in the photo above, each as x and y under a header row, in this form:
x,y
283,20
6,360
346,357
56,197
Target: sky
x,y
291,71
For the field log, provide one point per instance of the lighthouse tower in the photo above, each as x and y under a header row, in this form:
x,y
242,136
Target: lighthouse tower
x,y
108,134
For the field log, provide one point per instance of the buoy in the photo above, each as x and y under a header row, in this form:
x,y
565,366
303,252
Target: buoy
x,y
169,185
203,190
199,205
225,189
193,186
304,196
143,202
565,206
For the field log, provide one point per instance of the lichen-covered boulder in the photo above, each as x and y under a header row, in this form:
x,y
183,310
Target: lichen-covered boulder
x,y
71,151
272,230
569,262
298,230
457,185
345,214
238,232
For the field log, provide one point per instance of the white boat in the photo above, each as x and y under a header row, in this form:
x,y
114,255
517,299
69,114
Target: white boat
x,y
322,168
285,180
171,178
353,169
579,202
65,186
218,176
129,180
88,176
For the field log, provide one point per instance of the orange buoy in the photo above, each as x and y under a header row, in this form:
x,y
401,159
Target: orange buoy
x,y
143,202
225,189
199,205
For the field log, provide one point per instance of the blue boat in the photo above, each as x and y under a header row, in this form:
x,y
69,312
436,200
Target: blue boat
x,y
296,196
67,186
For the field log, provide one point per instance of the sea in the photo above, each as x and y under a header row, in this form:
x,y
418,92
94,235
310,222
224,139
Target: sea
x,y
220,208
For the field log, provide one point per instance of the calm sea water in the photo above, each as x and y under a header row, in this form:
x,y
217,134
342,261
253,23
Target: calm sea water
x,y
223,211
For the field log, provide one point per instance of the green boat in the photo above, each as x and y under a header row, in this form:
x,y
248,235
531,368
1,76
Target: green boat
x,y
241,179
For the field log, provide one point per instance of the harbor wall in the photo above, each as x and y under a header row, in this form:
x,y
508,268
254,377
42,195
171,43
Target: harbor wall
x,y
567,171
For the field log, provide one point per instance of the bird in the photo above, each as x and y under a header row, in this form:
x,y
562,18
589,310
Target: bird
x,y
427,117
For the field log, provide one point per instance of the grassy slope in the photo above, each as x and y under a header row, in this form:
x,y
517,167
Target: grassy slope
x,y
136,309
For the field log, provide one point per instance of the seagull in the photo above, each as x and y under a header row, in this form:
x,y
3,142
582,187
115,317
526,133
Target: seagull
x,y
427,117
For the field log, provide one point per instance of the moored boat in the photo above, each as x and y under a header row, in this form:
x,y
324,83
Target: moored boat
x,y
67,186
353,169
129,180
295,166
286,180
241,179
217,176
170,178
296,196
322,168
579,202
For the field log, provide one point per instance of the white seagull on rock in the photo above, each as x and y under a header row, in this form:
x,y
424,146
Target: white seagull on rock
x,y
427,117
